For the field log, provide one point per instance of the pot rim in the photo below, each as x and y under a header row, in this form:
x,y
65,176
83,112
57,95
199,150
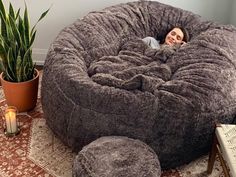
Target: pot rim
x,y
36,76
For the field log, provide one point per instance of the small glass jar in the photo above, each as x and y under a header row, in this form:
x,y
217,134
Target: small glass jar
x,y
11,124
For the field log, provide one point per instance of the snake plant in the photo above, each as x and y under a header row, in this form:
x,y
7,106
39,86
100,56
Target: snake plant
x,y
16,41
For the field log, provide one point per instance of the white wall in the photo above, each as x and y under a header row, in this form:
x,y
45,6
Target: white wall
x,y
63,13
216,10
233,12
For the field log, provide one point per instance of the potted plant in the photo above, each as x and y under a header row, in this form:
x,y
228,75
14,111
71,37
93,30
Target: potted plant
x,y
19,76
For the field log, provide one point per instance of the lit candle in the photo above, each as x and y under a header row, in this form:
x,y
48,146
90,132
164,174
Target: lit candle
x,y
11,123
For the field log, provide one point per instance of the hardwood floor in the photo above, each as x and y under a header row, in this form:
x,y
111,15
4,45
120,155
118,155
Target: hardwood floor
x,y
39,67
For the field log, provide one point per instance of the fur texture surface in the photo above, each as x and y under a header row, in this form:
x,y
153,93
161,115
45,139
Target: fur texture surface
x,y
116,156
97,83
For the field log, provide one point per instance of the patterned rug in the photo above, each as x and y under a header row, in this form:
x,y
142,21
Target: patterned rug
x,y
35,152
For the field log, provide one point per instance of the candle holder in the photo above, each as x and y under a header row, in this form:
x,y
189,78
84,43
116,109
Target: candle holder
x,y
11,124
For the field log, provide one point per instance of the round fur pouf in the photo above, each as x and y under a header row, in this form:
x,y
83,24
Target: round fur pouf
x,y
115,156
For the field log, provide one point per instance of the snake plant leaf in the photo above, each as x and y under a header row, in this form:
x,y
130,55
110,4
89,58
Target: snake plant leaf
x,y
27,57
2,68
40,18
17,14
18,68
27,27
2,9
2,63
21,30
7,76
15,31
3,23
11,64
43,15
4,42
3,18
25,72
3,56
3,52
32,38
11,40
28,72
11,11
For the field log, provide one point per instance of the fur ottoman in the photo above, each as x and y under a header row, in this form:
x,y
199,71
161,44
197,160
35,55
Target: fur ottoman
x,y
114,156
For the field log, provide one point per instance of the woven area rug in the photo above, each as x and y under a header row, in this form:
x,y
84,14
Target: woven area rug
x,y
36,152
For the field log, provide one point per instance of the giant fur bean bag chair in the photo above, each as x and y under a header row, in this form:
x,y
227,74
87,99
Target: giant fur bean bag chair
x,y
100,79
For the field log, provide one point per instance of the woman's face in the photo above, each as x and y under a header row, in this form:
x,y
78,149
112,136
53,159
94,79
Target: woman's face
x,y
175,36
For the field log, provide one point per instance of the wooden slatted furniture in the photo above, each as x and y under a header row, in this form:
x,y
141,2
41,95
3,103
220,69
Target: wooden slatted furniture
x,y
224,144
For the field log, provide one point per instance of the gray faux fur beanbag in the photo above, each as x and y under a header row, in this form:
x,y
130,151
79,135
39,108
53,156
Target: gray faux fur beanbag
x,y
114,156
100,79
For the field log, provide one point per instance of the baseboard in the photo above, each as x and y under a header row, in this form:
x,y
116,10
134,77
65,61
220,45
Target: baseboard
x,y
39,56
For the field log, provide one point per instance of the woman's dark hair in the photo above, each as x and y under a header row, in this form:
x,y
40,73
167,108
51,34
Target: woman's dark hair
x,y
185,32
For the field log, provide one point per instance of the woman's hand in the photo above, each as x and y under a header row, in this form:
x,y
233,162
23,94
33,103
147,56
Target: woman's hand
x,y
183,43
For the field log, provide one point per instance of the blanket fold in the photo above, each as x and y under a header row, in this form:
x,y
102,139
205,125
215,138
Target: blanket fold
x,y
136,66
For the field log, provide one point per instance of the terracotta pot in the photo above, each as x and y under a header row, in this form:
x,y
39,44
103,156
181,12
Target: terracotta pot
x,y
22,95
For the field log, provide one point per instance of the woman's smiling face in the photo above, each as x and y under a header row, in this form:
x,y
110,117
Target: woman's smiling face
x,y
175,36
